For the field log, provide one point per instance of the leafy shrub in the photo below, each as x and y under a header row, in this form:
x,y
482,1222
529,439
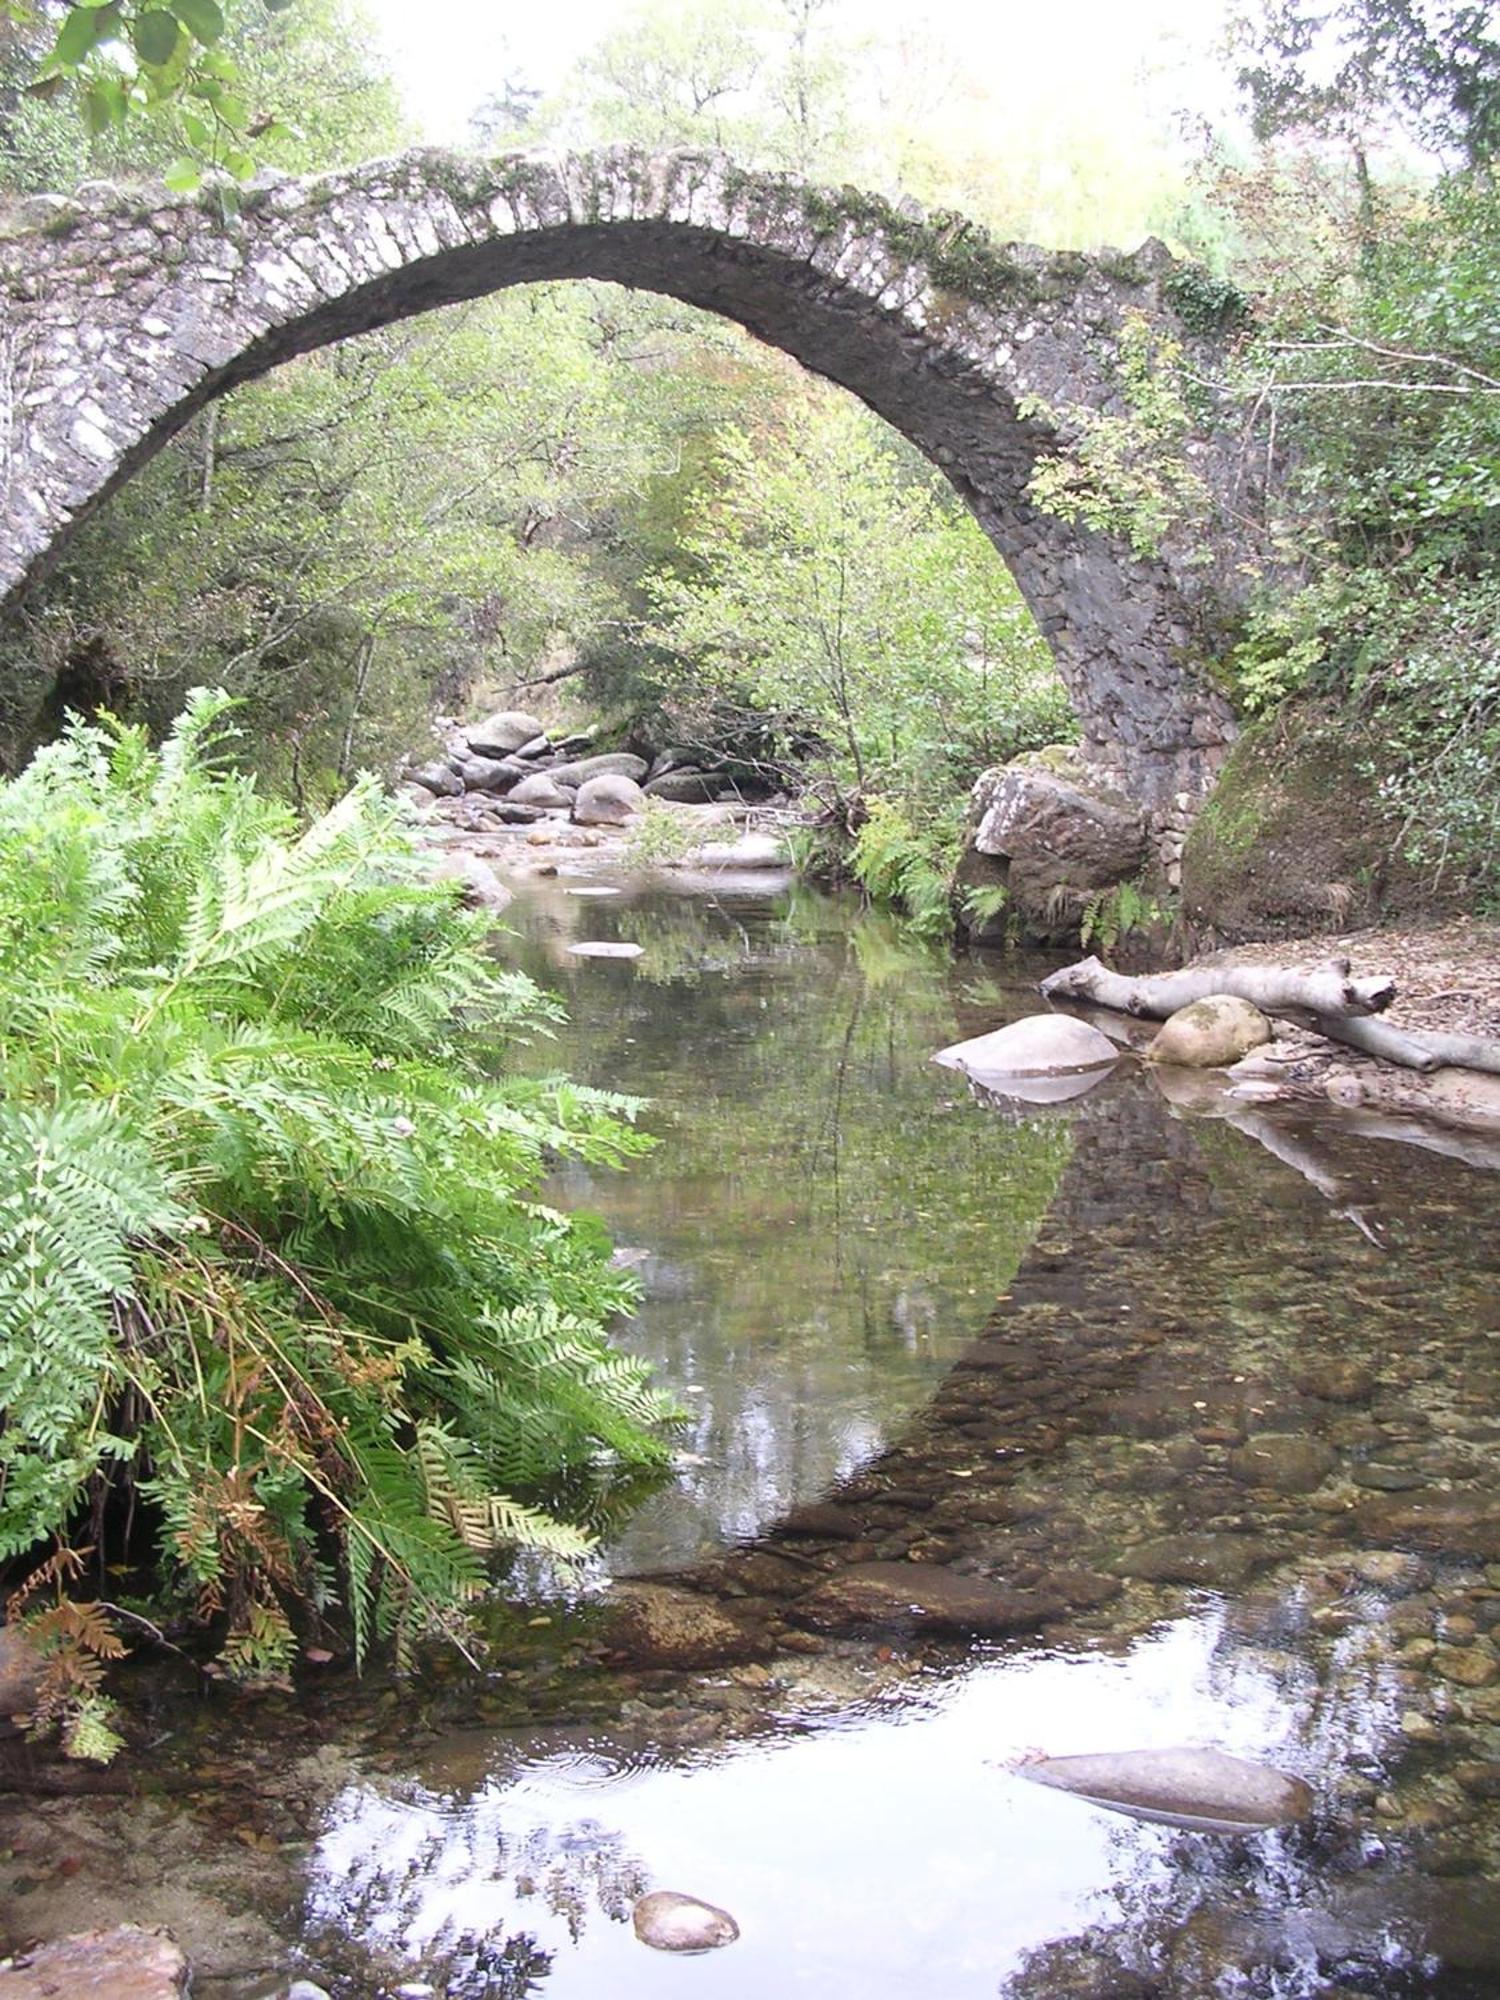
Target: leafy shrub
x,y
270,1253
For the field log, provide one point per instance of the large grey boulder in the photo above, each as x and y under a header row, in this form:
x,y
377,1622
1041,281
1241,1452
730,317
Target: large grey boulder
x,y
1062,834
540,789
1205,1790
439,779
610,800
499,734
490,774
609,763
687,788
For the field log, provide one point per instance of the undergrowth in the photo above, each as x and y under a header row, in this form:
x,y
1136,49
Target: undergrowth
x,y
274,1278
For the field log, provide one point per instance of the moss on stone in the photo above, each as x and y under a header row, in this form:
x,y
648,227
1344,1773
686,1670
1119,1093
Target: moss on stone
x,y
1295,838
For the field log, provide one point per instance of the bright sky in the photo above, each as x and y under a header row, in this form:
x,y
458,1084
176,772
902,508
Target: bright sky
x,y
448,54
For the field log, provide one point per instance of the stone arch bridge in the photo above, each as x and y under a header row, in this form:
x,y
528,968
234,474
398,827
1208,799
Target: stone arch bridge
x,y
122,313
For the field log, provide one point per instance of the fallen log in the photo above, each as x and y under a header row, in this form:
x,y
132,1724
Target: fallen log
x,y
1330,991
1419,1049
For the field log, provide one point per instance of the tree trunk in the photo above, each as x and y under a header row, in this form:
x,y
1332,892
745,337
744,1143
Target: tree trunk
x,y
1272,988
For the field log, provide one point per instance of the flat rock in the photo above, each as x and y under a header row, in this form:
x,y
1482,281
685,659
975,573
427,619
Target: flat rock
x,y
1464,1525
910,1596
1219,1562
658,1625
123,1964
1041,1045
1210,1033
1284,1461
668,1921
1204,1790
501,734
605,948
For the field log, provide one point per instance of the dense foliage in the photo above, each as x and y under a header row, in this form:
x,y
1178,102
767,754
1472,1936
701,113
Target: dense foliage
x,y
271,1259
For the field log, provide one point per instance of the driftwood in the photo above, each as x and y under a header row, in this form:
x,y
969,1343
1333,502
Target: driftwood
x,y
1272,988
1328,1001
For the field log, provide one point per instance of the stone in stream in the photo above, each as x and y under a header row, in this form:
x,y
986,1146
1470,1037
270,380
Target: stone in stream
x,y
503,733
1206,1791
1284,1461
1218,1562
608,764
489,774
127,1963
611,799
1210,1033
687,788
751,850
668,1921
540,789
1040,1046
605,948
436,778
481,887
1461,1525
658,1625
924,1597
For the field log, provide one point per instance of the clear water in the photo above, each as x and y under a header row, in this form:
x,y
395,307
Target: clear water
x,y
1036,1352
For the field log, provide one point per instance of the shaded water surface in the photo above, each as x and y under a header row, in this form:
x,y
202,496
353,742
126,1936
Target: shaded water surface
x,y
1204,1419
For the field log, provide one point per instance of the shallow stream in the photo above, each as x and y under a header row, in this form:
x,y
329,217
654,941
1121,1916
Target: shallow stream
x,y
1208,1413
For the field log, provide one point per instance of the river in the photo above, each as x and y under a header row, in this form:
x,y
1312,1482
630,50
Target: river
x,y
1220,1403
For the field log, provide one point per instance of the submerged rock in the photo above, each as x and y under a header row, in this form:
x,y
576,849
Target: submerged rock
x,y
123,1964
668,1921
1210,1033
1443,1524
1220,1562
1206,1791
910,1596
1041,1045
660,1626
1283,1461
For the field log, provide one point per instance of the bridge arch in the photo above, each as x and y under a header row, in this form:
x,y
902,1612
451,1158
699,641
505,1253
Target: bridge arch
x,y
122,314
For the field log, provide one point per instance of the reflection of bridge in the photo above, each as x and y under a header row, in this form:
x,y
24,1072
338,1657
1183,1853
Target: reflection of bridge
x,y
122,315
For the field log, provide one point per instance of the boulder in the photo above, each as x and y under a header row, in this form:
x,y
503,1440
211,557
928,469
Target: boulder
x,y
499,734
657,1625
1204,1790
1063,834
123,1964
668,1921
490,774
687,788
922,1597
1210,1033
481,886
608,800
436,778
540,789
610,764
528,752
1041,1045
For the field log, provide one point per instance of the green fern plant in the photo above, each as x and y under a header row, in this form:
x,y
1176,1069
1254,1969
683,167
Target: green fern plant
x,y
271,1254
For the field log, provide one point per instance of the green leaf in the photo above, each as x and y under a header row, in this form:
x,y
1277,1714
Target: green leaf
x,y
104,104
183,176
196,130
154,36
201,18
241,165
78,34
